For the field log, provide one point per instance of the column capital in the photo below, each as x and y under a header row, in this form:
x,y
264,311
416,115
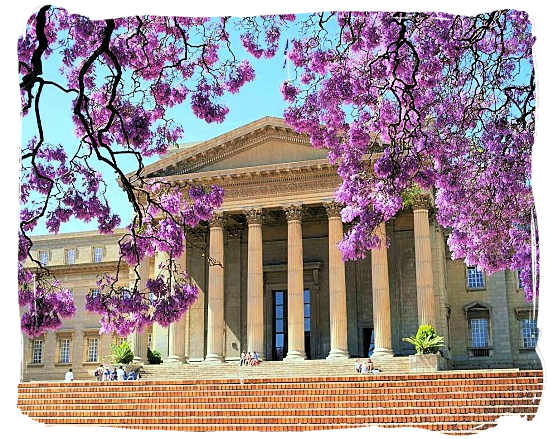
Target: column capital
x,y
422,201
294,212
333,208
217,219
253,215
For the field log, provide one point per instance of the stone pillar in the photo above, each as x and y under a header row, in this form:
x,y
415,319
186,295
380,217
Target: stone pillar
x,y
255,284
296,337
159,334
176,330
381,296
137,339
215,334
423,260
337,285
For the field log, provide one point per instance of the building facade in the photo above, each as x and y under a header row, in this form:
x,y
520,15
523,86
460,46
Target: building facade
x,y
282,289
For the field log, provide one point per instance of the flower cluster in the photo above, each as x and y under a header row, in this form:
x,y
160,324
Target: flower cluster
x,y
399,100
438,101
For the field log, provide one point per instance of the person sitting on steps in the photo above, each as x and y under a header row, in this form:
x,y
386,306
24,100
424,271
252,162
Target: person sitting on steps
x,y
358,365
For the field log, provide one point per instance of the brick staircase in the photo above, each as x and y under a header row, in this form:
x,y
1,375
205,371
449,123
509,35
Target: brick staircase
x,y
457,402
267,369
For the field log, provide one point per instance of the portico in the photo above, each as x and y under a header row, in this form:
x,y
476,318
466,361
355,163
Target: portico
x,y
275,282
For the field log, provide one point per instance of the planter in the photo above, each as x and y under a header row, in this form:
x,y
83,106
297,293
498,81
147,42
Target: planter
x,y
427,363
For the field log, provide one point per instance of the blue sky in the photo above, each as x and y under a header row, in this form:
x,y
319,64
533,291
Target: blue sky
x,y
255,100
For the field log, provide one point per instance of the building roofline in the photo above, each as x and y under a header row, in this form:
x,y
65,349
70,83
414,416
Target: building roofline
x,y
185,153
75,235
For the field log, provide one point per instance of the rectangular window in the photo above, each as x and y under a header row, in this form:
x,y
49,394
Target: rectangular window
x,y
93,343
65,350
474,278
37,351
43,257
71,256
479,333
98,254
149,340
95,292
530,333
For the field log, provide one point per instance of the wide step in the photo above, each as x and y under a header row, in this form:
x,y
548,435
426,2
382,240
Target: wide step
x,y
456,402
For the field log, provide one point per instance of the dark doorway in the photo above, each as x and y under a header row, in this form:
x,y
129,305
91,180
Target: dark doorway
x,y
368,341
307,323
280,324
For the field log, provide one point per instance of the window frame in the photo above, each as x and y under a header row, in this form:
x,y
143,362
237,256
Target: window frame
x,y
32,347
533,327
101,259
526,313
62,335
64,342
477,311
482,275
89,339
44,252
67,252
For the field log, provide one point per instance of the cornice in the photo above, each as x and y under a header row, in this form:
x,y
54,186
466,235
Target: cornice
x,y
90,267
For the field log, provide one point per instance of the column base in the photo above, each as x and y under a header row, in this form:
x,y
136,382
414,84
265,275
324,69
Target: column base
x,y
137,359
338,354
382,353
295,356
173,359
213,358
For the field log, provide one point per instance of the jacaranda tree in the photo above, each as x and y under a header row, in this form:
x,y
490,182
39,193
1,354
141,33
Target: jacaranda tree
x,y
401,101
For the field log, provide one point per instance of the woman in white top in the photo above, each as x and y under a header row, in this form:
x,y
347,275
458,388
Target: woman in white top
x,y
69,375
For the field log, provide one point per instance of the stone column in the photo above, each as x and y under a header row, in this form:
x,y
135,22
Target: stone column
x,y
296,338
176,330
423,260
159,334
137,339
215,334
337,285
381,296
255,284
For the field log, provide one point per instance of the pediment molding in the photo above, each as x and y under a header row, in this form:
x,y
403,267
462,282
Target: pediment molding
x,y
226,145
223,152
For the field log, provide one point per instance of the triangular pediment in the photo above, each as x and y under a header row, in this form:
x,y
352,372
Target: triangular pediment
x,y
267,141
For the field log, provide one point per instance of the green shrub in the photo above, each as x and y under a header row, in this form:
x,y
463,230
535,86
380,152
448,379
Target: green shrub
x,y
426,340
153,357
122,353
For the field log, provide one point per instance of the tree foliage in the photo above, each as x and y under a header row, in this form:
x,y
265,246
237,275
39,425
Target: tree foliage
x,y
400,101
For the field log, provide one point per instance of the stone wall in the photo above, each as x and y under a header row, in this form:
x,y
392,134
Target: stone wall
x,y
501,294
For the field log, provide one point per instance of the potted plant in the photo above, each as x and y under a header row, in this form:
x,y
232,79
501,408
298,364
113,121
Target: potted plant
x,y
122,353
153,357
426,343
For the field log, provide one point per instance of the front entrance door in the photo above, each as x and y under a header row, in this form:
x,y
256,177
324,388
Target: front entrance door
x,y
368,342
280,324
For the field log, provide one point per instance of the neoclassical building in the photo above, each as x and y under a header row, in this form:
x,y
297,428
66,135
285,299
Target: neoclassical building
x,y
281,288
